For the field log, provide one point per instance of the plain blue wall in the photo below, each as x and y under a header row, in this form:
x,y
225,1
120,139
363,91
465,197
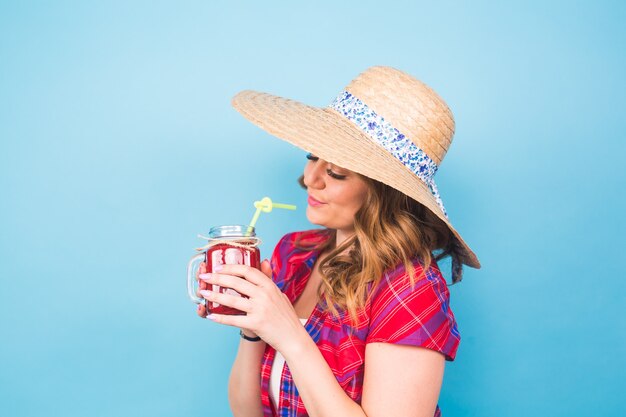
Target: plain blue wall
x,y
118,145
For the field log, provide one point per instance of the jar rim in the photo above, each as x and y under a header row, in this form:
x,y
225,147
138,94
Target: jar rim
x,y
232,231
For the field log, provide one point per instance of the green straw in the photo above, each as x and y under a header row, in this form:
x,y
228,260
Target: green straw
x,y
266,205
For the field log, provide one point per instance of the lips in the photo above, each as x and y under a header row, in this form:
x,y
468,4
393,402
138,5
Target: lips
x,y
313,202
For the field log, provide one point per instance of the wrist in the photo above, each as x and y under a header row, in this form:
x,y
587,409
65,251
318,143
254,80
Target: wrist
x,y
297,346
249,336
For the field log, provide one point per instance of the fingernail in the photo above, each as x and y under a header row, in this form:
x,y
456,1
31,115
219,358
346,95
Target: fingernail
x,y
205,293
205,276
218,267
211,317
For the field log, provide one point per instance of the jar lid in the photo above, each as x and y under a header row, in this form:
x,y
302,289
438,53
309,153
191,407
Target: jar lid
x,y
232,231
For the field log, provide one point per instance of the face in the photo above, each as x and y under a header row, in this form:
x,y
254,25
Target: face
x,y
335,194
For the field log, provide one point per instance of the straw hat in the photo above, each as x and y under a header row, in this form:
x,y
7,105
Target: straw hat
x,y
385,125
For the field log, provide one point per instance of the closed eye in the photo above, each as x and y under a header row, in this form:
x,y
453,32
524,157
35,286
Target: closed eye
x,y
329,171
334,175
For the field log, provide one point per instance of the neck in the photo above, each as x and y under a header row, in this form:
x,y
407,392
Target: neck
x,y
342,236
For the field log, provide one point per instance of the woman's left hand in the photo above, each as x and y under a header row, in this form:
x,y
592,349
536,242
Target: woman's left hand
x,y
269,313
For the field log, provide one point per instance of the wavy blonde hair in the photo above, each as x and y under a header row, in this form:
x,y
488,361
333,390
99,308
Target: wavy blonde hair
x,y
390,229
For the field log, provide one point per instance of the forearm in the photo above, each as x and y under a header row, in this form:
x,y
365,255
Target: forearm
x,y
317,386
244,385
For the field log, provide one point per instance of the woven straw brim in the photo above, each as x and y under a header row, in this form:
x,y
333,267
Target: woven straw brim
x,y
328,135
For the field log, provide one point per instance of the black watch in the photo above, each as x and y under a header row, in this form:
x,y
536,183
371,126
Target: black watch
x,y
248,338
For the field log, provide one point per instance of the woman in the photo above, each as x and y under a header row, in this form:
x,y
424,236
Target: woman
x,y
358,312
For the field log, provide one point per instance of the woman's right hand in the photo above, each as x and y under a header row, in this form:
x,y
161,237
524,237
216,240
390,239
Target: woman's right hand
x,y
201,310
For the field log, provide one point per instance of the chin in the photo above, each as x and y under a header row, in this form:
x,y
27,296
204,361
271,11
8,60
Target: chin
x,y
312,218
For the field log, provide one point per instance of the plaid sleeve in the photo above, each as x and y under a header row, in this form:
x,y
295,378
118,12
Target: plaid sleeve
x,y
416,315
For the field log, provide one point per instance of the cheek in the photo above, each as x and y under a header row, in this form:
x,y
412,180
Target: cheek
x,y
352,201
359,199
357,206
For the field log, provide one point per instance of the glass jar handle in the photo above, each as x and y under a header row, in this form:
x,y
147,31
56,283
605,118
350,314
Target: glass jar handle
x,y
191,278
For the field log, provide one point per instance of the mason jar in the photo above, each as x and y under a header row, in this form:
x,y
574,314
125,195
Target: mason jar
x,y
227,245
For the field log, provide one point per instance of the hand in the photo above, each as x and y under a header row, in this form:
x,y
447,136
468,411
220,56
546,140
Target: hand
x,y
202,285
269,312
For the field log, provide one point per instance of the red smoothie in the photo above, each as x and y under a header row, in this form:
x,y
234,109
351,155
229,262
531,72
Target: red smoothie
x,y
225,254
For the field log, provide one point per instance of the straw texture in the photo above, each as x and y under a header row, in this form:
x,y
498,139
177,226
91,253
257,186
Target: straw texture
x,y
411,107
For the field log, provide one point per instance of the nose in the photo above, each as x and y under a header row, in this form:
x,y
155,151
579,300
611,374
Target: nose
x,y
314,174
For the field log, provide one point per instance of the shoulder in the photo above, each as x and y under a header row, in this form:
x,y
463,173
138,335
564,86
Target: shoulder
x,y
397,284
305,237
414,312
294,254
301,241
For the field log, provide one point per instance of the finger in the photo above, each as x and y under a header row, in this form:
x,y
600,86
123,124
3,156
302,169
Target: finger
x,y
229,281
250,274
227,300
201,284
236,321
201,310
266,268
201,269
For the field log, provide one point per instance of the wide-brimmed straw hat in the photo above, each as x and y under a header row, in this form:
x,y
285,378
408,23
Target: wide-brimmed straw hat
x,y
385,125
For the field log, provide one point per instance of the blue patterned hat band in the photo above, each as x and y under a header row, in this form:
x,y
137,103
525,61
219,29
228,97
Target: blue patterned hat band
x,y
383,133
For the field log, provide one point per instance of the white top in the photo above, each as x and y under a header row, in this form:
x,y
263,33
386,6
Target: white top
x,y
276,374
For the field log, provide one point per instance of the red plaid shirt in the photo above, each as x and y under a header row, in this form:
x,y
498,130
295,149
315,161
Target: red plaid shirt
x,y
395,313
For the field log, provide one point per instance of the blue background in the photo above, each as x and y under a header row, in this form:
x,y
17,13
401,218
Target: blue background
x,y
118,145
